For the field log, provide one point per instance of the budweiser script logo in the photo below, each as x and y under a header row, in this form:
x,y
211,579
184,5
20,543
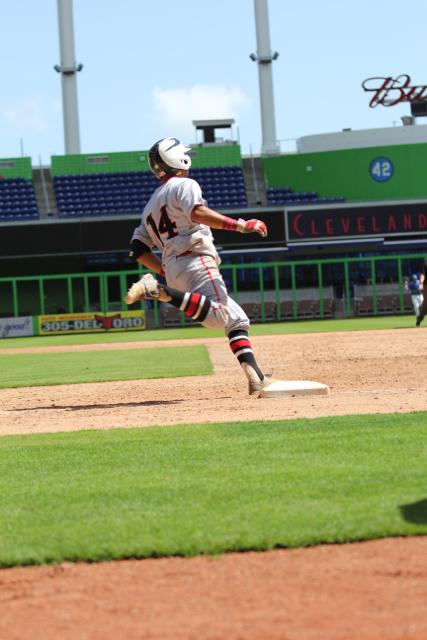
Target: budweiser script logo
x,y
391,91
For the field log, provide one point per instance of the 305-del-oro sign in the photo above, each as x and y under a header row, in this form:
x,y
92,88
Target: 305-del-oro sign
x,y
91,322
353,222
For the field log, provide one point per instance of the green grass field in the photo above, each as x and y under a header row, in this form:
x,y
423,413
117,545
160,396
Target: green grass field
x,y
29,369
191,489
98,495
274,328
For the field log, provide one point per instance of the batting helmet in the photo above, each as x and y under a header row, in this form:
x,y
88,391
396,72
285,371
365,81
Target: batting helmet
x,y
167,156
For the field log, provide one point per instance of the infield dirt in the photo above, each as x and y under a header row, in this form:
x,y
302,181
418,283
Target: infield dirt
x,y
367,372
374,590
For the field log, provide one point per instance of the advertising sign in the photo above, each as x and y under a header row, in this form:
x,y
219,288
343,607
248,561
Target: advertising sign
x,y
91,322
356,221
16,327
391,91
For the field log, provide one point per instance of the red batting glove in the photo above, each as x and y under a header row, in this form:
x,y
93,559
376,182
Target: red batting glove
x,y
252,226
245,226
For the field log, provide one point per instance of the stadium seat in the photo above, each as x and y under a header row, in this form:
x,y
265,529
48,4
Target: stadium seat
x,y
124,193
286,196
17,199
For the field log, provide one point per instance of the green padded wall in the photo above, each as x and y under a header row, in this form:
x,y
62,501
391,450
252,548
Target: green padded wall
x,y
347,172
120,162
216,155
116,162
16,168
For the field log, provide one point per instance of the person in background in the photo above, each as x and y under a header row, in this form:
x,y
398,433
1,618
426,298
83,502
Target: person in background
x,y
423,306
415,286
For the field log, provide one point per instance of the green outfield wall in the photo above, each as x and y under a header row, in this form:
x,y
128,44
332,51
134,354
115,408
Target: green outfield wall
x,y
277,288
216,155
115,162
374,173
122,162
16,168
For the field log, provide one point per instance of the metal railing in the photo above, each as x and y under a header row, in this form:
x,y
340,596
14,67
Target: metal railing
x,y
104,291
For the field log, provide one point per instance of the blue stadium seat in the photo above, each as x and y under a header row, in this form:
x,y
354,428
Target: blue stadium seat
x,y
17,199
285,195
128,192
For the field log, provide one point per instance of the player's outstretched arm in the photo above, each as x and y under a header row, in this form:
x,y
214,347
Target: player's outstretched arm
x,y
203,215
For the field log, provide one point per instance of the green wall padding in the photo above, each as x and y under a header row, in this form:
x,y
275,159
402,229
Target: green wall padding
x,y
216,156
347,172
116,162
16,168
121,162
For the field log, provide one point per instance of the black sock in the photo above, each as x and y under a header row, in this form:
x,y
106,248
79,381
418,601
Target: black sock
x,y
241,347
194,305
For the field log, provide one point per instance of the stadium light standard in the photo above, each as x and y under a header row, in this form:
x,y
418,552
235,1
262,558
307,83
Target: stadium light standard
x,y
264,57
68,69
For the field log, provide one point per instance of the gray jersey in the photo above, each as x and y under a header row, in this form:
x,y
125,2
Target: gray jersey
x,y
189,257
166,221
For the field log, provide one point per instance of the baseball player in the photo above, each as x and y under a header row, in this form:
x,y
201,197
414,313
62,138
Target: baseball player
x,y
178,222
423,306
415,287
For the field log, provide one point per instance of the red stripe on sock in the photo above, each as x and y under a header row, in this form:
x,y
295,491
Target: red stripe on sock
x,y
238,344
193,304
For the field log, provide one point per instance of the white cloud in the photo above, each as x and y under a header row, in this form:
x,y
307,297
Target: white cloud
x,y
30,115
175,109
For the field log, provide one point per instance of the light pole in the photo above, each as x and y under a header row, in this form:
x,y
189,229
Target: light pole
x,y
68,69
264,57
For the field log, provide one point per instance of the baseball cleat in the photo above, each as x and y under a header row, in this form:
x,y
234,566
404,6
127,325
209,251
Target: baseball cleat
x,y
147,288
257,386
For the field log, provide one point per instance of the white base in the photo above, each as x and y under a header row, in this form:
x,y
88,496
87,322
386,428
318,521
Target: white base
x,y
294,388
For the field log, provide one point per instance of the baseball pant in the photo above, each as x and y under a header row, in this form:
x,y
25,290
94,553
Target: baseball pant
x,y
200,274
417,301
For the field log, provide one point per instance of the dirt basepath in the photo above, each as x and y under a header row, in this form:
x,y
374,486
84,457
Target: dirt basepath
x,y
368,591
367,372
372,590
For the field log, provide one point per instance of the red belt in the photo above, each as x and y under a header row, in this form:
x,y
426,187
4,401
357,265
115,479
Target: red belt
x,y
185,253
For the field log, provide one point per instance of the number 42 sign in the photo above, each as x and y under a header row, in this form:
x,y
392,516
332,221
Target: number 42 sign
x,y
381,169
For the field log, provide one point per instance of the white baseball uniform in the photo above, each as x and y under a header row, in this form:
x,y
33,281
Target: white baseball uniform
x,y
189,257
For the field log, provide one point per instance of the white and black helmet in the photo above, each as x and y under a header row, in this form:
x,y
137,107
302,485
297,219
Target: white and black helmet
x,y
167,156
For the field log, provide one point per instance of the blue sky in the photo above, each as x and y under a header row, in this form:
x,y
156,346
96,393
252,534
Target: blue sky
x,y
151,68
